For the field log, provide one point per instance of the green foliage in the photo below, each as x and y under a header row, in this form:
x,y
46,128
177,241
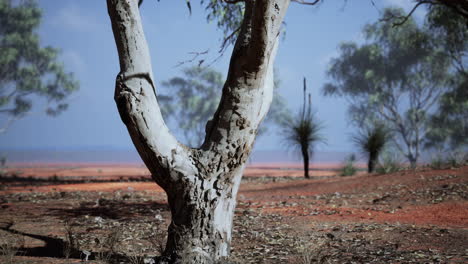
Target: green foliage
x,y
371,140
302,131
349,169
228,18
450,29
395,76
193,99
449,125
28,70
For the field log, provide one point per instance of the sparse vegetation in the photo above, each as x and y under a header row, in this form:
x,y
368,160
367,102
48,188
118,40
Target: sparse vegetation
x,y
349,169
302,132
315,253
3,161
107,247
437,161
70,243
10,245
157,239
270,228
371,141
136,260
389,163
402,89
454,159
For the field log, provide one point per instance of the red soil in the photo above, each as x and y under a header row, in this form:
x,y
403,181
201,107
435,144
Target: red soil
x,y
301,191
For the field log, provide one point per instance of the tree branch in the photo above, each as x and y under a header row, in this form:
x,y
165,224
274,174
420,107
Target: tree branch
x,y
233,1
7,124
306,2
135,96
248,90
458,6
403,19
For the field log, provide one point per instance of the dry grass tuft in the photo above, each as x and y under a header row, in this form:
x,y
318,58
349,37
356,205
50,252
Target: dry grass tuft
x,y
10,246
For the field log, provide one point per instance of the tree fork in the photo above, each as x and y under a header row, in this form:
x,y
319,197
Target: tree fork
x,y
201,184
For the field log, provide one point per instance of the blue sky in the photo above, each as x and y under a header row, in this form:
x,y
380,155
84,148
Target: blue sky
x,y
81,29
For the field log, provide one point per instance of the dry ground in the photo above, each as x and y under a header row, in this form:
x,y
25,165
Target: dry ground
x,y
116,212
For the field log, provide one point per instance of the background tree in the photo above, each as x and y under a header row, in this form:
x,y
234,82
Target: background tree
x,y
192,100
201,183
26,69
458,9
449,124
302,132
397,76
372,140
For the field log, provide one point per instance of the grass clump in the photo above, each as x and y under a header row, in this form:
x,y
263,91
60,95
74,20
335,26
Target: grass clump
x,y
10,246
389,163
372,141
107,247
454,159
349,169
70,243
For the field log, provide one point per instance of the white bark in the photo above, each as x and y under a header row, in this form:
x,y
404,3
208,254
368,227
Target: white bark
x,y
201,184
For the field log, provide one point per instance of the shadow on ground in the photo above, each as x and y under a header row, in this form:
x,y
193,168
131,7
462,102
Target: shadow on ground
x,y
110,209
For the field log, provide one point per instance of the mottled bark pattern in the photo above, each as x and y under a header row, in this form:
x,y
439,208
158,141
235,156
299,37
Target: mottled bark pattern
x,y
201,183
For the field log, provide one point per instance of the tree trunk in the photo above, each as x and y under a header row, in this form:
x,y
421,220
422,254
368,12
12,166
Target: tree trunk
x,y
202,183
413,161
200,231
305,158
371,163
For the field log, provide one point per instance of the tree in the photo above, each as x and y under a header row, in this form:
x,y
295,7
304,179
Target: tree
x,y
303,131
26,69
201,183
458,9
397,76
372,140
193,98
192,101
449,124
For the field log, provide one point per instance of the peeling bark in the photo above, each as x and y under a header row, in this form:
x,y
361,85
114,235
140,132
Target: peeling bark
x,y
201,183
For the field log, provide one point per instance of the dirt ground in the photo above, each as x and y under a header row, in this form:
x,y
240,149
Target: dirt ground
x,y
58,213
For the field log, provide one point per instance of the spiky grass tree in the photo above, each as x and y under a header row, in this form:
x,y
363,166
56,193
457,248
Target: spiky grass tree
x,y
302,132
371,141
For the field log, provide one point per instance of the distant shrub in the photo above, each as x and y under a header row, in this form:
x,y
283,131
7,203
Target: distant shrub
x,y
349,168
389,163
454,159
458,158
372,140
3,161
437,162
